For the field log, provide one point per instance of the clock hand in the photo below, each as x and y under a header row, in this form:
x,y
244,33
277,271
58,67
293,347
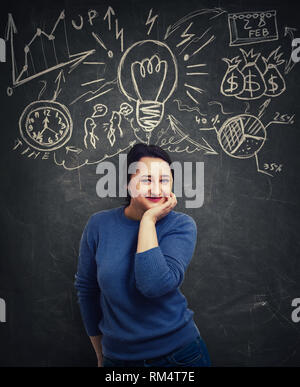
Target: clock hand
x,y
45,122
51,130
48,129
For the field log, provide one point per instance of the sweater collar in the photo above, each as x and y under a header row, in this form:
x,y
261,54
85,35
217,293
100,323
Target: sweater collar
x,y
135,223
124,219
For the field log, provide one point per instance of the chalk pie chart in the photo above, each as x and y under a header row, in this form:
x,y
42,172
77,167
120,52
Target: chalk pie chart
x,y
242,136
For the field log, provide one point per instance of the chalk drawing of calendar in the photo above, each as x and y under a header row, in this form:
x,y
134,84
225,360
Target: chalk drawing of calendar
x,y
252,27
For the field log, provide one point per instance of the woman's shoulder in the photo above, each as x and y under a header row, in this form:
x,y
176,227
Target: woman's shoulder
x,y
181,219
178,215
179,226
103,215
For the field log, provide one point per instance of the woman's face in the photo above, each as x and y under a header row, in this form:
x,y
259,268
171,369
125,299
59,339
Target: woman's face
x,y
153,179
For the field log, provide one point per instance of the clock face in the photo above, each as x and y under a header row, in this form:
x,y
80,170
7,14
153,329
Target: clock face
x,y
45,125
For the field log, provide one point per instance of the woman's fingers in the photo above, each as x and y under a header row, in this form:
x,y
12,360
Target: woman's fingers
x,y
163,209
171,201
173,198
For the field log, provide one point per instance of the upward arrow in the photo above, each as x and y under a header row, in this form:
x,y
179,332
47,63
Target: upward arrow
x,y
19,79
11,27
290,31
58,80
45,121
175,127
11,30
108,14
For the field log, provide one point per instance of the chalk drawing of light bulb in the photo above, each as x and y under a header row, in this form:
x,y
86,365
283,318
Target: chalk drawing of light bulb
x,y
148,75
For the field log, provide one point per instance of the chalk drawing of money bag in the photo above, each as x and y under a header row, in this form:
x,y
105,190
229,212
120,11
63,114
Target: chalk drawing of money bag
x,y
233,82
274,81
255,85
148,75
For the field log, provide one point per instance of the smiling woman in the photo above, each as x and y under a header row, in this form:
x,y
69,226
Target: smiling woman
x,y
131,265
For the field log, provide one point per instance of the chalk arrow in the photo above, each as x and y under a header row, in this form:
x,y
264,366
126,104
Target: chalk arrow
x,y
207,12
45,121
11,26
11,30
81,57
73,62
72,148
60,75
108,15
180,141
58,80
289,31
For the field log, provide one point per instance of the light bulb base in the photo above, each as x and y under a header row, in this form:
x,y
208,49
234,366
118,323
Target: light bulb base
x,y
149,114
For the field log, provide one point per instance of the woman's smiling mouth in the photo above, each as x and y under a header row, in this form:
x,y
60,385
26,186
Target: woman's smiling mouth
x,y
154,199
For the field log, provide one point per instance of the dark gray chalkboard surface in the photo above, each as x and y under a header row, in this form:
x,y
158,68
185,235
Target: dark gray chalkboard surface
x,y
225,93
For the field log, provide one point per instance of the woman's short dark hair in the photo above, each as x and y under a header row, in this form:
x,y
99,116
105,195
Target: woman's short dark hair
x,y
142,150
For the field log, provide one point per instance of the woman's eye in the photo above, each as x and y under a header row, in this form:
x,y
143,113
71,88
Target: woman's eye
x,y
148,180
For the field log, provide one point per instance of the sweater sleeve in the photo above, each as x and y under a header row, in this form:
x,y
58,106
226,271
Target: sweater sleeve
x,y
161,269
88,291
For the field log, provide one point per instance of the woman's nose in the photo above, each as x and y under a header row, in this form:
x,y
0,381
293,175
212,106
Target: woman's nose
x,y
155,188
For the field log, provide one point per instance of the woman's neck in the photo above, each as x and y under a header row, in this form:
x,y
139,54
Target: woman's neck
x,y
133,213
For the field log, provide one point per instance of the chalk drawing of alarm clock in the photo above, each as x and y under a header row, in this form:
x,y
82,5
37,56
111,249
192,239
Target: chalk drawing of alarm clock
x,y
45,125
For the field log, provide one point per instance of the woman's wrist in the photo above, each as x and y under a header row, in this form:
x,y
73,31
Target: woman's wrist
x,y
148,218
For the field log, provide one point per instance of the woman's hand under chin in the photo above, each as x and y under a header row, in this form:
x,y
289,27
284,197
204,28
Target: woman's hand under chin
x,y
161,210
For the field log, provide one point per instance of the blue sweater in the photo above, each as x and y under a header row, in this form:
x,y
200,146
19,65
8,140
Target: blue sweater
x,y
133,299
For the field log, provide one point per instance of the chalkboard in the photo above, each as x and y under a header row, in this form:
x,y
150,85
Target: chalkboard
x,y
211,82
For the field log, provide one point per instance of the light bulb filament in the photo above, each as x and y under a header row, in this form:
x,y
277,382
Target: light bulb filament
x,y
148,77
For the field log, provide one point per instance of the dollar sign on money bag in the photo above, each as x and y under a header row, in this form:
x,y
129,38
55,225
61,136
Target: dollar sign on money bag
x,y
274,81
233,80
255,85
